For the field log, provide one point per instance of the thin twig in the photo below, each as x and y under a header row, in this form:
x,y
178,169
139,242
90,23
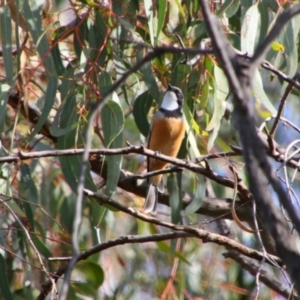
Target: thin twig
x,y
282,105
54,289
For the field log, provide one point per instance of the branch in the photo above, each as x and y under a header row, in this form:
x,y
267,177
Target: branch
x,y
98,168
202,234
268,66
123,240
266,277
259,170
178,231
275,31
94,110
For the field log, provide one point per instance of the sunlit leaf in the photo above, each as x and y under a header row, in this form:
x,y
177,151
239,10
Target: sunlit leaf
x,y
260,94
162,5
149,10
221,92
249,31
277,47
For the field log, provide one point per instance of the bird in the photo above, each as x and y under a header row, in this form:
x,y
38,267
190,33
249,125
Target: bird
x,y
167,131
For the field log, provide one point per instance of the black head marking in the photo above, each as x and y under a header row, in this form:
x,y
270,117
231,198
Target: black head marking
x,y
178,93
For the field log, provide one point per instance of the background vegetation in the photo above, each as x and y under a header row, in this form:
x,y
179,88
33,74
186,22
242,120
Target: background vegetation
x,y
80,81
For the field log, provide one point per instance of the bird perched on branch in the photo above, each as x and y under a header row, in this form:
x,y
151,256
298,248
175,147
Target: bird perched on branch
x,y
166,135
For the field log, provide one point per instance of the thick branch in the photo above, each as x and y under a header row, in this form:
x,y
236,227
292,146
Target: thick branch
x,y
259,170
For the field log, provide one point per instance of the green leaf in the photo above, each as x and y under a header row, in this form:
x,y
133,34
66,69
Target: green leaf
x,y
229,7
90,3
220,94
200,32
175,198
245,5
198,197
105,82
149,77
29,191
162,5
264,21
83,288
32,14
49,101
6,38
191,127
71,165
41,247
260,94
96,36
17,208
4,88
249,31
112,121
66,118
92,273
150,17
290,37
113,124
4,284
55,130
141,107
204,95
114,164
59,67
80,37
277,47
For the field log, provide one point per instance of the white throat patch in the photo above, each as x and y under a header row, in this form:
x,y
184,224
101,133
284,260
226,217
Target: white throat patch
x,y
169,101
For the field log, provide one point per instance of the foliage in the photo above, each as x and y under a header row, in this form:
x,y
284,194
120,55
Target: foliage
x,y
58,67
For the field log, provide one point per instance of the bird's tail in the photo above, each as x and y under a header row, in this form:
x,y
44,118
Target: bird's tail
x,y
151,200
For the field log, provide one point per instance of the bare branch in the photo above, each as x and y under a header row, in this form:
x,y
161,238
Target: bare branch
x,y
202,234
265,277
258,168
282,104
275,31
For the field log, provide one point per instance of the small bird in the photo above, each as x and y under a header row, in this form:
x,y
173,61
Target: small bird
x,y
166,134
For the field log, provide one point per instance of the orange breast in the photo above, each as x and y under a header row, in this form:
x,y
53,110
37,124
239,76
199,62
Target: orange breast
x,y
166,138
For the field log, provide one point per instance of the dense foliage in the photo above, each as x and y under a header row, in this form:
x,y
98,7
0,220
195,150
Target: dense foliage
x,y
79,83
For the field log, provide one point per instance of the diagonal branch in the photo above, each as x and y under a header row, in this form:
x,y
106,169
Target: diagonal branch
x,y
259,170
